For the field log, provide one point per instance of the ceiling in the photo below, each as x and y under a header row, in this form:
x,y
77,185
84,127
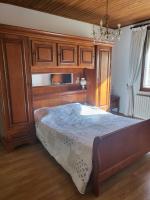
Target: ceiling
x,y
125,12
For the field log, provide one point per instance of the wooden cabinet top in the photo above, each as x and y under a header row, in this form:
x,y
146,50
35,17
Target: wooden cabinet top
x,y
40,34
54,49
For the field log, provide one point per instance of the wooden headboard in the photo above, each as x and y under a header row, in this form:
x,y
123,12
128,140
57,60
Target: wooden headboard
x,y
48,96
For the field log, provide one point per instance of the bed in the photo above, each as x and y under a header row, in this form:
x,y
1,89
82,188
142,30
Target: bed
x,y
89,143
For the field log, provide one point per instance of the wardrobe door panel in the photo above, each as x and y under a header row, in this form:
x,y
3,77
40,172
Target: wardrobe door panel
x,y
104,70
17,82
98,80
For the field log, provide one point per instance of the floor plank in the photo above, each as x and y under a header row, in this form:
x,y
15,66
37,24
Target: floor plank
x,y
30,173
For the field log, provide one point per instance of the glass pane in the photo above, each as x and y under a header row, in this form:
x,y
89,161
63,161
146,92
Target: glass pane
x,y
51,79
146,81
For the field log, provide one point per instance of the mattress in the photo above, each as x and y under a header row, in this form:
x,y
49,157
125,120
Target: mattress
x,y
68,132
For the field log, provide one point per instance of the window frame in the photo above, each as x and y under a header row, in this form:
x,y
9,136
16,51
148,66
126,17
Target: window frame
x,y
142,88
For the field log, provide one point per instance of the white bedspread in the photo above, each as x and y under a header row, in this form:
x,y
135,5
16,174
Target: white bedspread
x,y
68,132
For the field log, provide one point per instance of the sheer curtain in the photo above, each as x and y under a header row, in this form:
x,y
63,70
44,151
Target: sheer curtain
x,y
136,51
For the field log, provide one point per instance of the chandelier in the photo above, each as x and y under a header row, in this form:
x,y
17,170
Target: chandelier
x,y
104,33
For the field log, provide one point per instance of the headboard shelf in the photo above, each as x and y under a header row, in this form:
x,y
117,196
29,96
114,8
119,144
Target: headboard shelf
x,y
58,98
58,94
54,89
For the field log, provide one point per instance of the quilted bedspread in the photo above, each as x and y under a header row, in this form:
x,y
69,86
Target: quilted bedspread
x,y
68,132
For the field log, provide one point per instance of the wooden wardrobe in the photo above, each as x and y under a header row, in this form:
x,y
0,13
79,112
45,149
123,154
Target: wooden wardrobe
x,y
24,52
17,124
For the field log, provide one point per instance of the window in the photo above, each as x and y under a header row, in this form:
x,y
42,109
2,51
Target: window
x,y
145,79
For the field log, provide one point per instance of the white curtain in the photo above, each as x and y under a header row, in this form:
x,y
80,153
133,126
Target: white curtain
x,y
135,64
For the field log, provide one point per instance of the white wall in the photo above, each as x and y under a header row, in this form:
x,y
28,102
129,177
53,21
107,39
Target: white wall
x,y
17,16
120,67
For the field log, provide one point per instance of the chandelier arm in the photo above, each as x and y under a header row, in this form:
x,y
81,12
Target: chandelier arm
x,y
107,16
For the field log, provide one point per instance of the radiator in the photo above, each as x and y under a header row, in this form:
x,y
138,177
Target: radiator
x,y
142,107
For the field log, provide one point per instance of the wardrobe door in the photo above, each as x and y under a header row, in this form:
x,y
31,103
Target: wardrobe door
x,y
16,86
67,55
86,56
44,53
103,76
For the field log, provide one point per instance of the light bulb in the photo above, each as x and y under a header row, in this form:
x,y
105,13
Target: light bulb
x,y
119,26
101,22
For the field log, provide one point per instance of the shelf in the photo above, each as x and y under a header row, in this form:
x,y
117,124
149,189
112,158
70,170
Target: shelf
x,y
59,98
58,94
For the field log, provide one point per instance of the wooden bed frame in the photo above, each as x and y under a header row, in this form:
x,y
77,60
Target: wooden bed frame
x,y
111,152
114,151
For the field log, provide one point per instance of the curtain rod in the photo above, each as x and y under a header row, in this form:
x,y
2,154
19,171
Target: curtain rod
x,y
140,25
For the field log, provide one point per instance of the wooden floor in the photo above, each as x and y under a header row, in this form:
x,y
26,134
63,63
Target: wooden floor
x,y
29,173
